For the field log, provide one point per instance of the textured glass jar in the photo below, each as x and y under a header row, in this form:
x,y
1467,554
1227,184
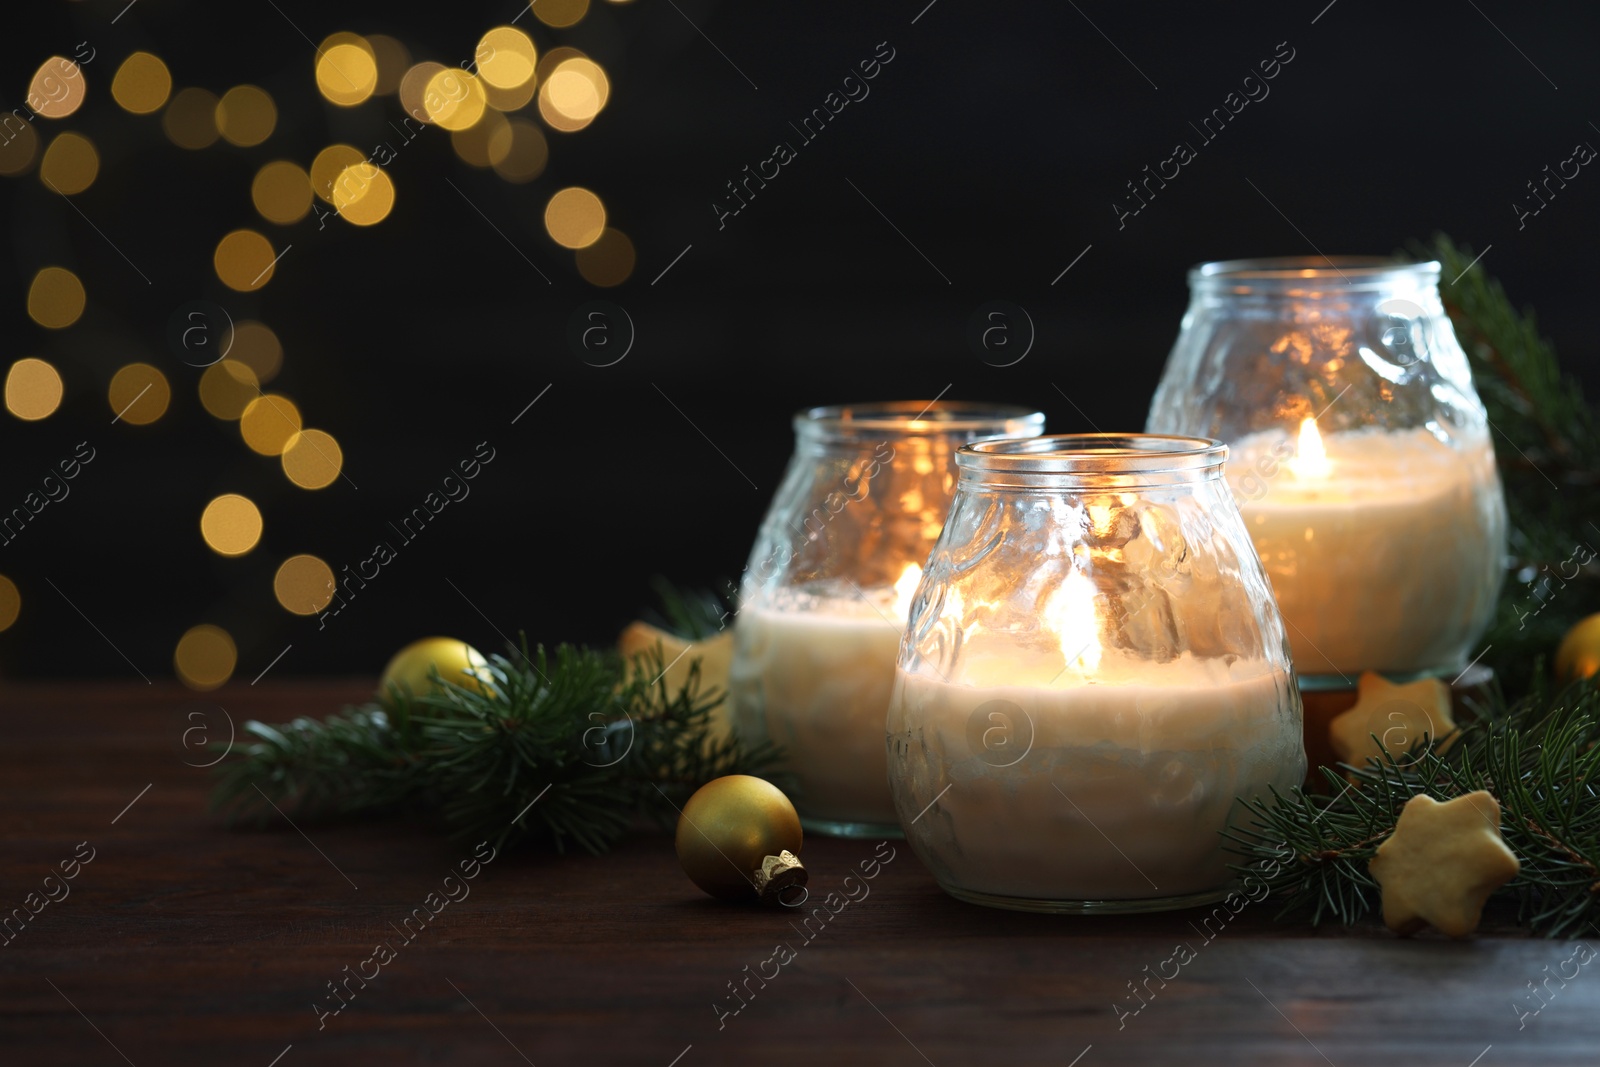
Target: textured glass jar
x,y
1359,452
824,598
1093,672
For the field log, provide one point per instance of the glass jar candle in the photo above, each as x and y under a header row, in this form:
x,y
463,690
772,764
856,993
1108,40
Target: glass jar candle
x,y
1360,455
823,601
1093,673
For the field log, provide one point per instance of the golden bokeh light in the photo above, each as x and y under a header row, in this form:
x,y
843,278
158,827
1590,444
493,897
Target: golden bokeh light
x,y
363,194
559,14
525,151
244,260
281,192
55,298
454,99
485,144
205,657
608,261
577,90
304,585
258,348
414,88
575,217
18,148
329,164
57,88
139,394
10,602
392,58
191,119
228,387
246,115
506,57
142,84
33,389
70,164
347,70
312,459
231,525
269,423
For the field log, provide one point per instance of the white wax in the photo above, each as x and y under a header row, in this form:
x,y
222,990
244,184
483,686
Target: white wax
x,y
817,683
1388,562
1121,793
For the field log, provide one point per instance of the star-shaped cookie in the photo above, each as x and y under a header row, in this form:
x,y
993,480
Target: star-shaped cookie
x,y
1398,715
1442,862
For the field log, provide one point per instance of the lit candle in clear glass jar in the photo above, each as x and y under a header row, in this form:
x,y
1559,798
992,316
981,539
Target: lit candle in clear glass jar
x,y
1094,674
824,598
1360,455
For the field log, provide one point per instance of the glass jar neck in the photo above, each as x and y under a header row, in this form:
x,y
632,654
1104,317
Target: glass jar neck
x,y
1318,280
1099,461
854,427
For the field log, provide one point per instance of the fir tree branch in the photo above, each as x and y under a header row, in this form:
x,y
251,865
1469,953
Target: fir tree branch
x,y
567,748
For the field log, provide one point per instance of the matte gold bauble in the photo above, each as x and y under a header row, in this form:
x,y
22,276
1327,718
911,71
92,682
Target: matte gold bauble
x,y
407,672
738,839
1579,654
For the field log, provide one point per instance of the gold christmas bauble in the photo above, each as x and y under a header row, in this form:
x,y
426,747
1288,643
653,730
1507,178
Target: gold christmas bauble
x,y
730,829
456,661
1579,653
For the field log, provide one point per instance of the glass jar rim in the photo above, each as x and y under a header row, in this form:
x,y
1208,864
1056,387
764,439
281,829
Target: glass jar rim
x,y
1094,454
916,418
1291,274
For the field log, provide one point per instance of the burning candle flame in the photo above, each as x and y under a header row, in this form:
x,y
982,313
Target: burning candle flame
x,y
1072,613
1310,460
905,588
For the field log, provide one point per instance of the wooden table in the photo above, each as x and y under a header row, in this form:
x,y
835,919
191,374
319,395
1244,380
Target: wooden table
x,y
184,941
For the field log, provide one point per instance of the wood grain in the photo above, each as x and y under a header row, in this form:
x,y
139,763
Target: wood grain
x,y
187,942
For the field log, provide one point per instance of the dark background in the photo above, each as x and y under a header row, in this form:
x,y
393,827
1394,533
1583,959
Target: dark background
x,y
996,141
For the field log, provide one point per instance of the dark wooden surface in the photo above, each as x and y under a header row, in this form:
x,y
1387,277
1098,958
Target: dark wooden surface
x,y
186,942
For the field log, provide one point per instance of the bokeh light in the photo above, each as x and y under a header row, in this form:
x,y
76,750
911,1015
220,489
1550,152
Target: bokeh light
x,y
559,13
609,261
205,657
329,164
510,99
191,119
414,88
304,584
575,217
142,84
454,99
281,192
244,260
70,164
258,348
526,151
139,394
57,88
347,69
55,298
227,388
485,144
312,459
33,389
574,93
19,148
392,58
10,602
363,194
506,57
246,115
269,423
231,525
